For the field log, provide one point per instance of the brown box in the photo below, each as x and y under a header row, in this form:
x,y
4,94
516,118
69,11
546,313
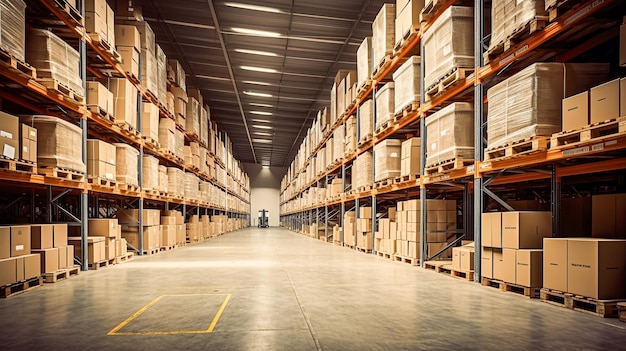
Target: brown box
x,y
33,150
60,235
605,100
456,258
41,236
25,150
109,248
124,101
105,227
498,264
99,150
130,59
151,238
20,240
467,259
5,242
575,111
555,263
508,265
596,267
31,266
49,260
70,256
150,217
168,235
525,230
608,219
9,135
486,265
8,271
495,219
529,268
99,95
63,257
127,36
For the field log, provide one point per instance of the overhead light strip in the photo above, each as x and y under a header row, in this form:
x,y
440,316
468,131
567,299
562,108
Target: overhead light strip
x,y
256,32
252,7
256,52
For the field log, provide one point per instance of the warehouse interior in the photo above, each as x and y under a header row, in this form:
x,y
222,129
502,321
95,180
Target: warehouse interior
x,y
369,174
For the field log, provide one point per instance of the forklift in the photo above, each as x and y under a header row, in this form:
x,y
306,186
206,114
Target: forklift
x,y
263,219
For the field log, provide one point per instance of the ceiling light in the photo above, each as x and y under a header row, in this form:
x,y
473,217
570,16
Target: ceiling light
x,y
262,141
261,120
252,93
261,113
256,52
260,105
255,83
265,166
252,7
262,133
259,69
257,33
262,127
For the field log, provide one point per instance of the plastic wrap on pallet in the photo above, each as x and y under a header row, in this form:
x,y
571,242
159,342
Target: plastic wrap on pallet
x,y
339,142
510,16
149,71
175,181
163,180
57,142
192,186
385,104
366,120
150,173
150,120
124,101
126,167
450,133
205,191
350,141
179,139
204,125
54,59
192,118
13,27
384,32
362,170
448,44
167,137
529,103
407,16
407,81
387,159
176,73
364,61
161,63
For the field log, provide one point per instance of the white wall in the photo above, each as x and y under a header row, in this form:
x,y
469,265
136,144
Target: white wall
x,y
265,191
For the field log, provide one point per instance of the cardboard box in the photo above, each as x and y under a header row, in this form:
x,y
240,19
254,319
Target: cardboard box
x,y
49,260
99,95
104,227
150,217
486,265
498,264
127,36
109,248
5,242
508,265
456,258
70,255
529,268
130,60
151,238
20,240
495,219
555,263
99,150
41,236
608,219
467,259
31,265
605,99
25,150
33,151
168,235
124,101
9,135
60,235
596,267
62,252
8,271
575,111
406,17
525,230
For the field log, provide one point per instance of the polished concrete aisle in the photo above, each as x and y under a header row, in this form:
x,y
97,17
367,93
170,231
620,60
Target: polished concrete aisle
x,y
271,289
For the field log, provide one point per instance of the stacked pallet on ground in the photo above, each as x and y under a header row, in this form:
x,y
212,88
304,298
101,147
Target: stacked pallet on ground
x,y
21,269
57,257
150,232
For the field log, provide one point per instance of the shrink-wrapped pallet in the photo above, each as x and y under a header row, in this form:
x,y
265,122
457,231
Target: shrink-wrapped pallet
x,y
161,63
339,142
163,180
150,120
13,27
510,16
385,104
192,118
192,186
150,173
126,166
167,135
330,152
149,72
204,125
350,137
54,59
362,170
205,191
175,73
528,104
57,143
450,134
124,101
384,32
176,181
364,61
407,80
407,17
387,159
366,120
448,44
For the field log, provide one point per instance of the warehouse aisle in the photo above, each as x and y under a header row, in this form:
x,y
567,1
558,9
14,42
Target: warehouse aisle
x,y
271,289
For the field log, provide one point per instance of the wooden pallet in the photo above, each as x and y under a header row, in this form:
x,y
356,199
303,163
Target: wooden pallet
x,y
410,260
407,110
98,265
61,274
20,287
60,88
450,79
382,66
128,187
559,7
13,64
518,148
520,33
406,178
469,276
383,127
70,11
447,165
168,248
525,291
363,88
124,258
9,165
150,252
600,308
407,37
128,129
99,112
365,188
104,44
102,182
609,128
437,266
63,173
364,140
429,10
383,183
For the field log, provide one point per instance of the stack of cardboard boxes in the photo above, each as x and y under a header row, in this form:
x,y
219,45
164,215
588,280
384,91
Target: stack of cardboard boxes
x,y
364,229
128,46
387,228
99,21
349,222
104,235
463,258
604,102
193,229
411,156
50,242
151,231
387,161
17,141
407,16
350,138
383,33
176,219
16,261
364,61
98,96
101,160
366,120
407,84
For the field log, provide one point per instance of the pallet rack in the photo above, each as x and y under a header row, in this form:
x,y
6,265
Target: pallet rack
x,y
471,185
75,200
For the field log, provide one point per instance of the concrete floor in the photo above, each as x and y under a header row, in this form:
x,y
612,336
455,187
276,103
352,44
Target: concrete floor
x,y
277,290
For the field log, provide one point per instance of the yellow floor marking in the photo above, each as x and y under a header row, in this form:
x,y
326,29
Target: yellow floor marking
x,y
115,331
